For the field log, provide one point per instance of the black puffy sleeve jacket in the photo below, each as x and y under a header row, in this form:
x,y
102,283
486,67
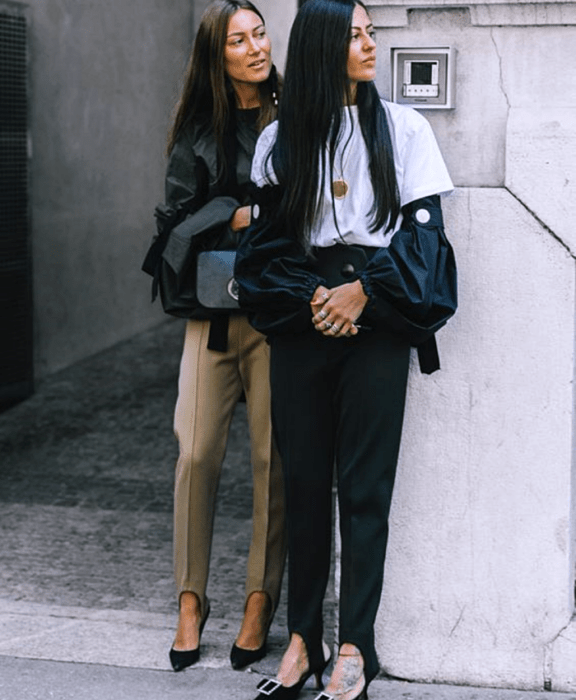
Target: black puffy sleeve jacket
x,y
275,275
411,284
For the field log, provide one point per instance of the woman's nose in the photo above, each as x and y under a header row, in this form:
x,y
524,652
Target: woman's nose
x,y
253,46
370,43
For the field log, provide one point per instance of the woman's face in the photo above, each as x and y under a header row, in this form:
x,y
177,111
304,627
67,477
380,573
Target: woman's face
x,y
362,49
247,51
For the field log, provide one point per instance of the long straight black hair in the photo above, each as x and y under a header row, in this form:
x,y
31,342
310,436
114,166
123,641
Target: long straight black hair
x,y
316,84
207,90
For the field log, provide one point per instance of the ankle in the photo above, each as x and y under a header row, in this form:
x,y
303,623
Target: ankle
x,y
258,603
348,680
294,663
189,602
256,621
348,649
190,612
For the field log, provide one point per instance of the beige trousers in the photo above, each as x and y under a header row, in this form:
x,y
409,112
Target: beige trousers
x,y
209,387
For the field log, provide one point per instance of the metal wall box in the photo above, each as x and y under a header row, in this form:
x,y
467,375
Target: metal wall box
x,y
424,77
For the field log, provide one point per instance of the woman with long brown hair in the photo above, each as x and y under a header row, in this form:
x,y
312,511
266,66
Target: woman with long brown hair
x,y
230,94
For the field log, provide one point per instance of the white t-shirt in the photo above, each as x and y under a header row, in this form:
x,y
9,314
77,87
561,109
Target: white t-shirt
x,y
420,172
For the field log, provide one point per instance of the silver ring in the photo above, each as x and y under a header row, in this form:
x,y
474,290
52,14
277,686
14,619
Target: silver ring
x,y
327,325
335,328
322,314
324,295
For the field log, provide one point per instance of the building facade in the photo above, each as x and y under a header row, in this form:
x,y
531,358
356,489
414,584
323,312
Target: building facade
x,y
480,578
479,584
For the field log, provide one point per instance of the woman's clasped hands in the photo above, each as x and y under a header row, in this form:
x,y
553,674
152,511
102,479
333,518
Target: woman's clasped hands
x,y
335,311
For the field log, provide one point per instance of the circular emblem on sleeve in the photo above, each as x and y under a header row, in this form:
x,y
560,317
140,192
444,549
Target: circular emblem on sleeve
x,y
422,216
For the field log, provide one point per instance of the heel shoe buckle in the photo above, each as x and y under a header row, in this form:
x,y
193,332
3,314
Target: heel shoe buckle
x,y
267,686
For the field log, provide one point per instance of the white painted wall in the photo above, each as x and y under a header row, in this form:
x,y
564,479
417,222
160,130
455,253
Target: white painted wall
x,y
479,583
479,576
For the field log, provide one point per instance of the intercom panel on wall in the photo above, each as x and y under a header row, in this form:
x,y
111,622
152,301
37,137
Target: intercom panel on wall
x,y
424,77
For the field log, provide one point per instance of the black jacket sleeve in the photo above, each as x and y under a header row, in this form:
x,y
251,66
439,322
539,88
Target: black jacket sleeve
x,y
411,284
189,203
275,275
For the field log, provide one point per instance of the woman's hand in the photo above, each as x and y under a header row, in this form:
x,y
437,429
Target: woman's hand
x,y
241,218
334,311
321,296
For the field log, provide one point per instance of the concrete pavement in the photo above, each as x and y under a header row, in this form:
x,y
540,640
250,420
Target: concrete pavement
x,y
87,606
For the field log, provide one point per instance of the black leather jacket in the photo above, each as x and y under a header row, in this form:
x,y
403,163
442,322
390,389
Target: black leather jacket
x,y
198,209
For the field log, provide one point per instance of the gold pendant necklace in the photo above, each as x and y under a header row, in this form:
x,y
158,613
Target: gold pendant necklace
x,y
339,188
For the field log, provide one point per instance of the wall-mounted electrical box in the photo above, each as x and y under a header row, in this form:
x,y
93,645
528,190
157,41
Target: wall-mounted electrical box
x,y
424,77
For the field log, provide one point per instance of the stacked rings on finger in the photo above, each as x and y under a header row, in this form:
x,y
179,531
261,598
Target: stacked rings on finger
x,y
322,314
327,324
335,328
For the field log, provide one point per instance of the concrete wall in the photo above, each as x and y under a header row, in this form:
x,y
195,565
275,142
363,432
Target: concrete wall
x,y
103,79
480,578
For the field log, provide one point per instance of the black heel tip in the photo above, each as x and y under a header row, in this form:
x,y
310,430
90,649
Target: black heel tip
x,y
240,658
182,659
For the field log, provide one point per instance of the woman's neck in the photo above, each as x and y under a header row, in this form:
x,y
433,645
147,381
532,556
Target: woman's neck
x,y
351,96
247,95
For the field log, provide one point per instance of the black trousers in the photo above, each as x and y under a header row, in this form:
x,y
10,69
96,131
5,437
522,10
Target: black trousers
x,y
338,402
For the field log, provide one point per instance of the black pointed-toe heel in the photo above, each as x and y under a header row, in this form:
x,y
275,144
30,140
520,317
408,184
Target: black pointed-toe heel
x,y
240,658
182,659
272,688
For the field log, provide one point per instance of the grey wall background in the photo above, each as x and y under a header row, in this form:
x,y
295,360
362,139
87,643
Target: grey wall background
x,y
103,79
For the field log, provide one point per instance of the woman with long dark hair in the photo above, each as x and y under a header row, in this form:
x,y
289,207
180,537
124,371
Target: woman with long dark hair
x,y
230,93
340,173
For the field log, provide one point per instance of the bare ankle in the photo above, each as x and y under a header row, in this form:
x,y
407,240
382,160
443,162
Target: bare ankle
x,y
294,663
258,602
347,679
189,602
348,649
256,621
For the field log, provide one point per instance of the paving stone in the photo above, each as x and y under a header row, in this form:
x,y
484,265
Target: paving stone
x,y
86,489
87,606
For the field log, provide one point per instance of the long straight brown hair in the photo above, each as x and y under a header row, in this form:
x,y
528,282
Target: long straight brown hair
x,y
207,90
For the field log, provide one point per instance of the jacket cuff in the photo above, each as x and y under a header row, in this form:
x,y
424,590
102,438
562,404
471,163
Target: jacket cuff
x,y
366,283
